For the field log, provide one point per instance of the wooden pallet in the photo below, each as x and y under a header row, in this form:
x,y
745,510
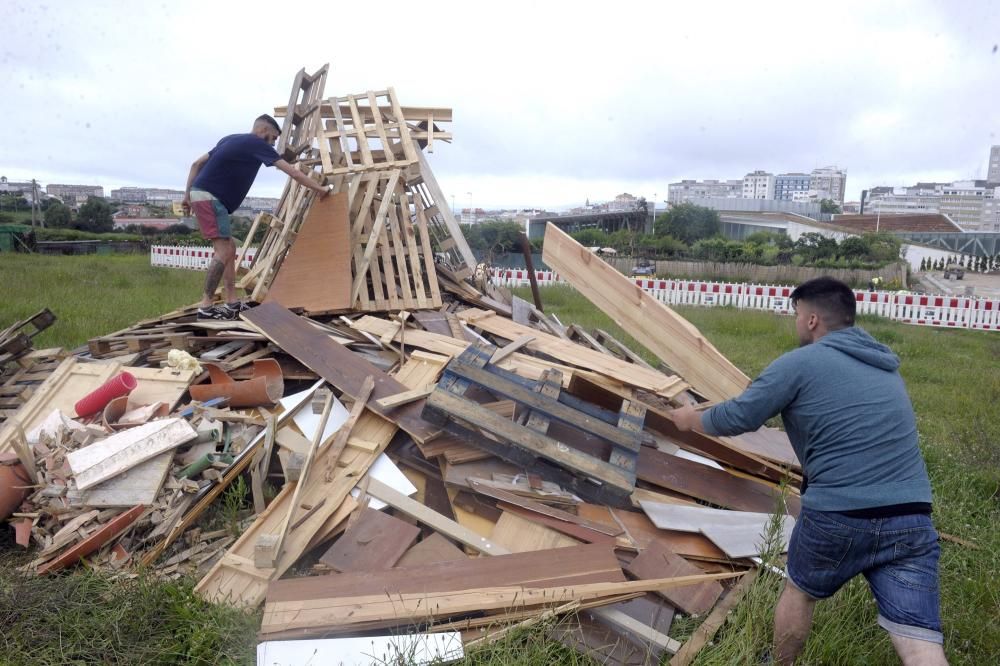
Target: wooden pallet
x,y
534,441
373,134
18,385
15,340
298,130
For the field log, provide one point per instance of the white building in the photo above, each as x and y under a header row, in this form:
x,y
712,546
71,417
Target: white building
x,y
758,185
828,183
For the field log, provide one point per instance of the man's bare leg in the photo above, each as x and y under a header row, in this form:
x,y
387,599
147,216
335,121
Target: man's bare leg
x,y
792,621
914,652
229,276
225,250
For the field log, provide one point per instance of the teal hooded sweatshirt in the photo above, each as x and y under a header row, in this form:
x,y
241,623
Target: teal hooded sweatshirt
x,y
848,417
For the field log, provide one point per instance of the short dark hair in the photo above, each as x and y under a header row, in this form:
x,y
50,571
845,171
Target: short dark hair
x,y
269,120
832,298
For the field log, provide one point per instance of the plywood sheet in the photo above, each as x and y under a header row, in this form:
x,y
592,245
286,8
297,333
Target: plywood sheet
x,y
316,272
520,536
376,541
737,533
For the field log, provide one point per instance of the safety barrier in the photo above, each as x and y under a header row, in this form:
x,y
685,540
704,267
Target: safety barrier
x,y
922,310
195,258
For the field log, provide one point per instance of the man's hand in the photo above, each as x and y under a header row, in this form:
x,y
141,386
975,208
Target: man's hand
x,y
325,192
686,418
186,204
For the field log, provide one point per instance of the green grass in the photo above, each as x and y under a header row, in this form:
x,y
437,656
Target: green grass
x,y
90,295
83,617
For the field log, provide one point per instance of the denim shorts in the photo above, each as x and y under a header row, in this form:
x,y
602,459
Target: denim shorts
x,y
898,556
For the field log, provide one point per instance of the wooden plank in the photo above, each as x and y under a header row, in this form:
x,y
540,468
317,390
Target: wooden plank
x,y
377,541
737,533
345,613
712,485
543,509
433,519
581,534
654,325
576,355
405,398
508,349
337,365
322,248
657,561
109,457
455,231
378,225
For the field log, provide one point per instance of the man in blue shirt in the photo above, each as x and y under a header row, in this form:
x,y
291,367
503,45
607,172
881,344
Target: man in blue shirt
x,y
216,186
866,496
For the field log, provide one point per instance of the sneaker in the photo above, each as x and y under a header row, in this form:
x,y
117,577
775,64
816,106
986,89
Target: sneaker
x,y
219,312
239,306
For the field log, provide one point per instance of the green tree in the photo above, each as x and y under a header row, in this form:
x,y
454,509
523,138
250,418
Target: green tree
x,y
813,246
58,216
95,216
829,206
854,247
688,223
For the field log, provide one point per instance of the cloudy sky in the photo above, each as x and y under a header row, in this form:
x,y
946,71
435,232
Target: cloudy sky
x,y
554,102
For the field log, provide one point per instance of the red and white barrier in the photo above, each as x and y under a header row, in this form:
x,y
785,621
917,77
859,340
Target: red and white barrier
x,y
195,258
944,311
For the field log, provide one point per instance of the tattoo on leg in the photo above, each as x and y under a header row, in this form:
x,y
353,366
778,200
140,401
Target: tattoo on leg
x,y
215,271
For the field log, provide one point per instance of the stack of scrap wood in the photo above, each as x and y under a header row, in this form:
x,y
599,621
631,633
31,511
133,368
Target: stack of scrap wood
x,y
435,461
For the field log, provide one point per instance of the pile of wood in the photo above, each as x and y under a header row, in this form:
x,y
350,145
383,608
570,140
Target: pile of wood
x,y
451,462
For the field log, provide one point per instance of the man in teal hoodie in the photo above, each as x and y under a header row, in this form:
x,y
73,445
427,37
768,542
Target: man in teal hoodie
x,y
866,497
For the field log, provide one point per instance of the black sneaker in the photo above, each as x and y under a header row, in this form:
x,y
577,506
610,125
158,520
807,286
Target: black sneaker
x,y
218,312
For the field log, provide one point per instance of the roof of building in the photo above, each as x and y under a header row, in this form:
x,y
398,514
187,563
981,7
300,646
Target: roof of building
x,y
894,222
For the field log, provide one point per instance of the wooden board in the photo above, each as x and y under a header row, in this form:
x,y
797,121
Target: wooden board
x,y
704,633
120,452
432,549
376,541
139,485
521,536
654,325
348,613
737,533
315,274
657,561
338,365
539,569
712,485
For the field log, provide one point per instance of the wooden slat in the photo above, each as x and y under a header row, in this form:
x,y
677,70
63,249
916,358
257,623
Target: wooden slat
x,y
657,561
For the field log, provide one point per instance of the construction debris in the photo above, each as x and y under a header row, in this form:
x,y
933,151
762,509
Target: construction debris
x,y
403,453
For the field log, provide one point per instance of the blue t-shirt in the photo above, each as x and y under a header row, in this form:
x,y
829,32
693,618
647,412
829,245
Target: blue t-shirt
x,y
232,167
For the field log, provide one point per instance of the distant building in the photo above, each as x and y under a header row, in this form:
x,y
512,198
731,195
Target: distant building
x,y
993,173
74,194
972,204
758,185
150,222
828,183
12,187
678,193
157,196
623,201
791,186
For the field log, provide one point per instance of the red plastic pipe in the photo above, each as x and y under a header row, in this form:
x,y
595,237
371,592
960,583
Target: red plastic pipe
x,y
119,385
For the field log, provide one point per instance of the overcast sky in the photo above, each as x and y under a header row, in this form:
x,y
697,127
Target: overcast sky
x,y
553,102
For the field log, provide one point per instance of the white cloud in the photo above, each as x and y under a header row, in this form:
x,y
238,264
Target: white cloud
x,y
553,102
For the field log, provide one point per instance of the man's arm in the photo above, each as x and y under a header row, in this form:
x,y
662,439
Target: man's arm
x,y
302,178
192,174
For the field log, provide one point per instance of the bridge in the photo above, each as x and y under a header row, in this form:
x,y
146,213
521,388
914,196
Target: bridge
x,y
608,221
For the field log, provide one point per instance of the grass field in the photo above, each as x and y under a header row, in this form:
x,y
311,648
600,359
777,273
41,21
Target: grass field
x,y
951,376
